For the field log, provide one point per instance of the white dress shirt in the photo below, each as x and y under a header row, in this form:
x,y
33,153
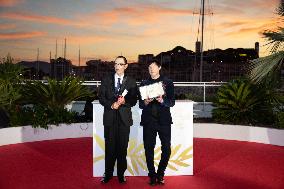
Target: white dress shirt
x,y
116,79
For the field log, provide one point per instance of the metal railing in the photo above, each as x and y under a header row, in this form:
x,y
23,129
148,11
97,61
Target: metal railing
x,y
202,108
203,85
185,85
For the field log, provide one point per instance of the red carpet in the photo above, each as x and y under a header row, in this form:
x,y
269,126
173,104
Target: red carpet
x,y
218,164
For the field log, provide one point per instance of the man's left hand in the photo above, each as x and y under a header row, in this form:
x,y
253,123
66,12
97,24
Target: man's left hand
x,y
160,99
121,100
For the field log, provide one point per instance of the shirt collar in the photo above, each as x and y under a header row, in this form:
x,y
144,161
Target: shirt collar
x,y
116,77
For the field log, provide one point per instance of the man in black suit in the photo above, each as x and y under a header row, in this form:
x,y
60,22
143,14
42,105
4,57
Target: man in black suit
x,y
118,93
156,119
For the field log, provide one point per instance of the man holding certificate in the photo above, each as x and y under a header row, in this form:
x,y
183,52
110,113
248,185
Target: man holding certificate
x,y
117,93
156,98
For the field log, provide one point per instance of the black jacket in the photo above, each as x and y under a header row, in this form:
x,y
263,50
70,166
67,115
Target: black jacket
x,y
164,115
107,98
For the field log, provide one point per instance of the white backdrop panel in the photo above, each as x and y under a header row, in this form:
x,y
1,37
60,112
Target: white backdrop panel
x,y
181,160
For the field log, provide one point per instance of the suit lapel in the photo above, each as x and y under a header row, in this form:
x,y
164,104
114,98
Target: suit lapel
x,y
123,85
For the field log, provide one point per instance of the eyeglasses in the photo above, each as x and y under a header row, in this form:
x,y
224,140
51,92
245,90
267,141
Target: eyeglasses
x,y
119,64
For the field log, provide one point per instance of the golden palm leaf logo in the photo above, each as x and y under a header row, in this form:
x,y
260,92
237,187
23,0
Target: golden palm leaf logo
x,y
178,159
136,154
101,144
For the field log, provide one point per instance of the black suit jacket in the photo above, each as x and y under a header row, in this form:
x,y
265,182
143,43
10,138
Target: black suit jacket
x,y
165,117
107,98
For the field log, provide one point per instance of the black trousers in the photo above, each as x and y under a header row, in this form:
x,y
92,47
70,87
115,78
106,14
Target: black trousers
x,y
116,143
150,132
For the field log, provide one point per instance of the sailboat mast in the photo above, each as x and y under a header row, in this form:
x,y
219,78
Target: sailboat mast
x,y
201,46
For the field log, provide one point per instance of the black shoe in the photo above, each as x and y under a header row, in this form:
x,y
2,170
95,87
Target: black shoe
x,y
121,179
160,180
106,179
153,181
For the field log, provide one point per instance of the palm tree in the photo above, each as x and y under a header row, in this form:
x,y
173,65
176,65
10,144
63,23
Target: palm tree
x,y
271,65
56,94
10,89
236,102
10,72
266,71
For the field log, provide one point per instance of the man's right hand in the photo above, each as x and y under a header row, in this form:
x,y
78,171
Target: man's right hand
x,y
147,101
115,105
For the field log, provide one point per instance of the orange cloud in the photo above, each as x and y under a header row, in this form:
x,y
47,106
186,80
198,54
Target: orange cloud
x,y
233,25
263,4
136,15
144,10
151,14
10,3
22,35
7,26
74,40
40,18
129,15
240,7
243,31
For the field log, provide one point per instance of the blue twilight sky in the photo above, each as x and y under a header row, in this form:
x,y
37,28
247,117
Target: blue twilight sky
x,y
107,28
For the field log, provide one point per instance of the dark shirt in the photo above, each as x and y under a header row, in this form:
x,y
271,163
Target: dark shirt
x,y
156,111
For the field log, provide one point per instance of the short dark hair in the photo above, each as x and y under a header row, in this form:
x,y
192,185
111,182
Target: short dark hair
x,y
155,61
125,60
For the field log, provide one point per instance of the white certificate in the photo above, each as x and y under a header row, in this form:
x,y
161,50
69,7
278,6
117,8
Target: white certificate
x,y
152,91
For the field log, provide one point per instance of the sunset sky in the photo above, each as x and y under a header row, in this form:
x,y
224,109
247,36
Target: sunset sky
x,y
106,28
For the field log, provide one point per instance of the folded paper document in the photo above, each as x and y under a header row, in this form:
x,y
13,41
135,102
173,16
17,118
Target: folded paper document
x,y
124,93
152,91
